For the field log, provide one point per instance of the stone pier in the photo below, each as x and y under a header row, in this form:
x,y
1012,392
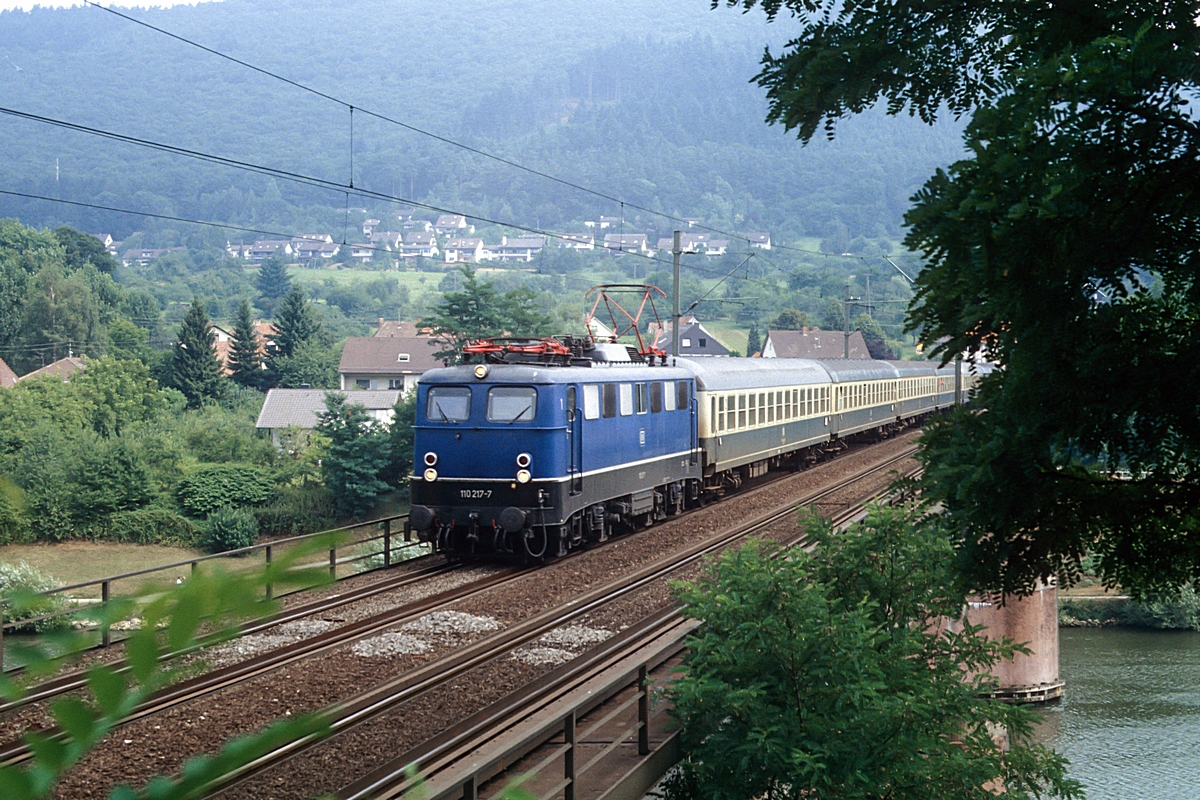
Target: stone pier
x,y
1033,621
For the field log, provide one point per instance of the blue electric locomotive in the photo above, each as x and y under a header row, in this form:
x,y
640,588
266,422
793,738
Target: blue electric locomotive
x,y
531,455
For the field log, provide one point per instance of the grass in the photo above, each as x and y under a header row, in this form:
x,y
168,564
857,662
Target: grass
x,y
75,562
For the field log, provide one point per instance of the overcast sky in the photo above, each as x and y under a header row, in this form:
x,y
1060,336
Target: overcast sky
x,y
6,5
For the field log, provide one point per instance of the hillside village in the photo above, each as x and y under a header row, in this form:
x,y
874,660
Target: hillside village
x,y
450,239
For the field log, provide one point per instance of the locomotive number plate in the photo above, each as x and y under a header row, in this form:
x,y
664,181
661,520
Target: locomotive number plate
x,y
474,494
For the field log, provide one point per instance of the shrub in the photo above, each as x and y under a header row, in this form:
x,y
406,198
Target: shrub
x,y
229,529
1180,611
14,527
146,526
295,511
224,485
22,578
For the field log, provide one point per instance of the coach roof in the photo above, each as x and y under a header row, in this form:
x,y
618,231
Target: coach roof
x,y
730,374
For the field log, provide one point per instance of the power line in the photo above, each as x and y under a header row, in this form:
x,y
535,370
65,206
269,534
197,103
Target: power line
x,y
415,129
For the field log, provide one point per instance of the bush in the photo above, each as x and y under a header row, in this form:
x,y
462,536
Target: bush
x,y
14,527
224,485
295,511
1179,612
146,526
23,578
229,529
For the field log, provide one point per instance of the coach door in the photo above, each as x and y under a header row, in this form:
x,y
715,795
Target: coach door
x,y
574,442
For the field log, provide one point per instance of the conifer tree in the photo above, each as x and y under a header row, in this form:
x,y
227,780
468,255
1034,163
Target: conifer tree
x,y
245,362
273,283
753,341
295,322
356,457
194,367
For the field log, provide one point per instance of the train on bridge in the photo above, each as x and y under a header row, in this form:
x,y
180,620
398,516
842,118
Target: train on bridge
x,y
548,445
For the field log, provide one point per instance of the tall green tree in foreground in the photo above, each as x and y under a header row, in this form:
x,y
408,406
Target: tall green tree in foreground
x,y
830,674
1066,247
273,284
295,322
194,367
477,310
245,361
356,456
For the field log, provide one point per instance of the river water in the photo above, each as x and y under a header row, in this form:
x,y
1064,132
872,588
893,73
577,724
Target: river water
x,y
1130,719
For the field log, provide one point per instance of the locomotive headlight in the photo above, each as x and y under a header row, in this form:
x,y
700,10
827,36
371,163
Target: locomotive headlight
x,y
523,476
431,474
481,371
524,460
430,459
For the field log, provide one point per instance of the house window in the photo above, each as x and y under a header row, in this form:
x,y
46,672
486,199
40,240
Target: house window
x,y
396,383
656,397
626,399
591,401
685,342
610,400
362,383
402,358
641,401
703,342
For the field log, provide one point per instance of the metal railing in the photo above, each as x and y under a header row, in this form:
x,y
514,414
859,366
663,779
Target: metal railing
x,y
381,530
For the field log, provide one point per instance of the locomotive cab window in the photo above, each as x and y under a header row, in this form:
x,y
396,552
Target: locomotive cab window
x,y
669,398
682,398
656,398
448,404
512,404
591,401
626,394
571,402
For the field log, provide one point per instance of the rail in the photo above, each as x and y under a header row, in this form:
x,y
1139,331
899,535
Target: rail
x,y
384,532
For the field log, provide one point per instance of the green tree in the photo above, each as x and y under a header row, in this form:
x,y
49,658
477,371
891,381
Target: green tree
x,y
109,477
830,674
194,367
400,444
1065,246
83,248
873,335
61,315
118,393
790,320
473,312
295,322
753,340
245,360
313,364
356,456
273,284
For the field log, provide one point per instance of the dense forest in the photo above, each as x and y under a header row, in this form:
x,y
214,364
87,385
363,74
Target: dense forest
x,y
650,103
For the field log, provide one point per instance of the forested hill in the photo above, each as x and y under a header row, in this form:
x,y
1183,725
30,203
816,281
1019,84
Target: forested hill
x,y
648,101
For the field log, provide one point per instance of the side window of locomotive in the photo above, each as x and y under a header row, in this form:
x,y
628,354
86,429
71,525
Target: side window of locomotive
x,y
570,403
656,398
668,399
626,399
512,404
682,398
448,404
641,405
610,400
591,401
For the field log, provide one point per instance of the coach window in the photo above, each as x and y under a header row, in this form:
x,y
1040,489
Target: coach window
x,y
720,413
448,404
641,404
656,397
797,408
753,410
512,404
731,413
626,393
770,407
591,401
610,400
682,398
741,411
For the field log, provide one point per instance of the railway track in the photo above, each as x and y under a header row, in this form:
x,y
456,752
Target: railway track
x,y
486,745
387,696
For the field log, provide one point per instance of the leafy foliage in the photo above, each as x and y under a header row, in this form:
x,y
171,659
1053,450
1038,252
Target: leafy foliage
x,y
229,529
356,455
146,526
830,675
217,486
478,310
22,579
295,511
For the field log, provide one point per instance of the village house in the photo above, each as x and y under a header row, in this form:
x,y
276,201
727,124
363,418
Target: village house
x,y
387,362
264,334
142,256
300,409
364,252
626,243
313,252
107,241
8,378
716,247
516,248
463,251
369,227
688,242
813,343
760,240
389,239
405,213
417,225
608,222
265,248
453,225
577,241
419,245
62,369
400,328
694,340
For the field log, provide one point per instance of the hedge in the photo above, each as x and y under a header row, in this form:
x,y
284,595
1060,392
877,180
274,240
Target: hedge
x,y
145,526
229,529
295,511
224,486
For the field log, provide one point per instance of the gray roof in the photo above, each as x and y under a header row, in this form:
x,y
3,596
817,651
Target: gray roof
x,y
7,376
284,408
815,343
694,332
380,355
723,374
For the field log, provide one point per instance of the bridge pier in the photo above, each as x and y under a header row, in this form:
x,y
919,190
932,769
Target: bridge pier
x,y
1032,620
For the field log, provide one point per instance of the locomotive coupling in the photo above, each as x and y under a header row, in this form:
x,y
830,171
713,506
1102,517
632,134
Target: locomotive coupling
x,y
420,517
